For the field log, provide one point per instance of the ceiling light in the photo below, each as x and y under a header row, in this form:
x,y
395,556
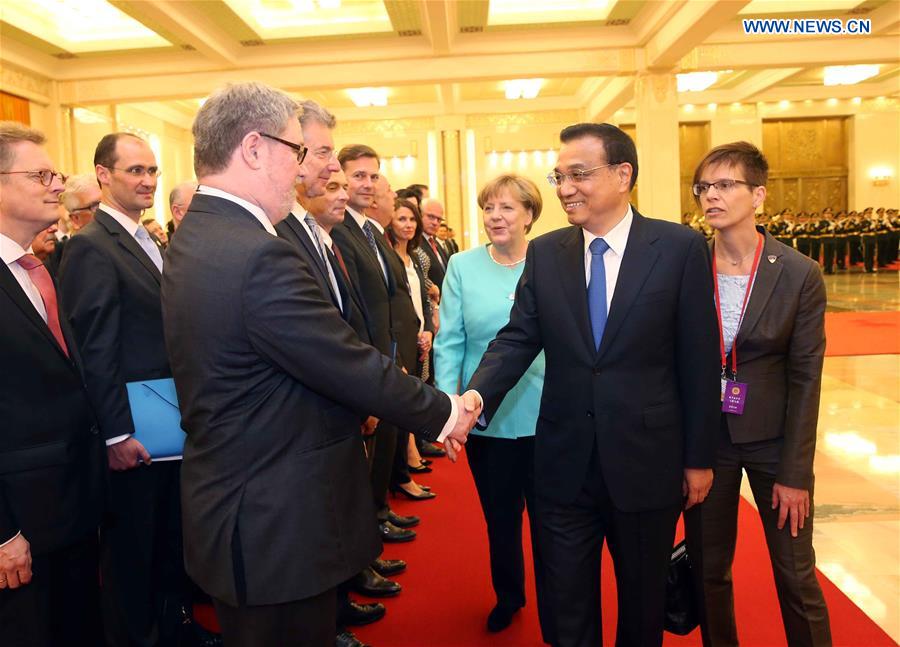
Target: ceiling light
x,y
849,74
523,88
784,104
696,81
366,97
86,116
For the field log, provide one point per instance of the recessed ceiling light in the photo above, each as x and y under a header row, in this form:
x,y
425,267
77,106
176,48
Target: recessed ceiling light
x,y
366,97
522,88
696,81
849,74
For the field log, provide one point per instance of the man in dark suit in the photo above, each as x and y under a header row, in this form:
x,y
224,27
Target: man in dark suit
x,y
52,462
630,402
272,383
367,257
432,217
109,285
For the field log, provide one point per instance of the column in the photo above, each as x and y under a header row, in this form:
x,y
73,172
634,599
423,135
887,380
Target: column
x,y
656,120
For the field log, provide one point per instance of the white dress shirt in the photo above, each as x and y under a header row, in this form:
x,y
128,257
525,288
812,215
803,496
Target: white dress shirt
x,y
616,238
361,220
255,209
11,252
298,212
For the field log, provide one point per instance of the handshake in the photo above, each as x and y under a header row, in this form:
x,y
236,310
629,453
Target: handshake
x,y
468,408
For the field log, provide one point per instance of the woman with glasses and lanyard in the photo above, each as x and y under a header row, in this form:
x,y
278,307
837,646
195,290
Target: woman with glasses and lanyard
x,y
770,301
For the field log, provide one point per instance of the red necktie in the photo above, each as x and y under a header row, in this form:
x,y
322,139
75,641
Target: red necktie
x,y
40,277
340,260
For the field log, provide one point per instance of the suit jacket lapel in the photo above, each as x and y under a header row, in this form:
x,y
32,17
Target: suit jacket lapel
x,y
639,258
357,232
11,287
766,278
571,272
128,242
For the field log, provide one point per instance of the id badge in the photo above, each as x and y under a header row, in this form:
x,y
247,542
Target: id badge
x,y
724,381
734,397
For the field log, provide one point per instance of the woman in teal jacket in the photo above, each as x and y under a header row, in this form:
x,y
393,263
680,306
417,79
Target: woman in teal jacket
x,y
478,292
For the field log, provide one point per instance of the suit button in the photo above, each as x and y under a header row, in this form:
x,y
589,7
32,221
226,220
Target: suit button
x,y
590,414
95,430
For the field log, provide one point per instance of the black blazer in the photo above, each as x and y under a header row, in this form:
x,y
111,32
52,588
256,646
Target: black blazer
x,y
781,350
366,275
405,321
276,501
649,398
353,310
52,459
436,271
109,289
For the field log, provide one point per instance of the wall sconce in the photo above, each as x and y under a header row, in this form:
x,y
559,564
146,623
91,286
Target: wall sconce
x,y
880,175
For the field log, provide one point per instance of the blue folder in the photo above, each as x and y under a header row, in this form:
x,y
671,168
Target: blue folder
x,y
157,418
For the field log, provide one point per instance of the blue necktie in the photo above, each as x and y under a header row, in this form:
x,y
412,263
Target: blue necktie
x,y
597,290
370,236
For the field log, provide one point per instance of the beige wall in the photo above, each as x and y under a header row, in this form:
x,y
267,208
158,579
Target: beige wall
x,y
874,138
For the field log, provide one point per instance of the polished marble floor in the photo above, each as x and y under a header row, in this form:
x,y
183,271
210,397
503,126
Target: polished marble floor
x,y
857,498
856,291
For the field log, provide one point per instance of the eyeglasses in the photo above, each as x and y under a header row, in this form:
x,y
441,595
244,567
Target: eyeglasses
x,y
300,149
578,175
44,176
92,207
722,186
139,171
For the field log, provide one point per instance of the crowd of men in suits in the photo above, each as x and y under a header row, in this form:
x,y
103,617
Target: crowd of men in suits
x,y
83,317
835,240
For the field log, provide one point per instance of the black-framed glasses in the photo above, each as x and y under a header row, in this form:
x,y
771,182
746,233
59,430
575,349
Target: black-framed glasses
x,y
44,176
722,186
300,149
92,207
578,175
139,171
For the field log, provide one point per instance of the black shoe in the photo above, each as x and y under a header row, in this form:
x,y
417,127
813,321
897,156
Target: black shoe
x,y
500,618
392,534
388,567
347,639
370,583
401,521
420,469
424,496
426,462
429,449
356,614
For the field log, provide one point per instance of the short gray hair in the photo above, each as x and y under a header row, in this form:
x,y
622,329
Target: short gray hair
x,y
229,114
312,111
176,194
75,185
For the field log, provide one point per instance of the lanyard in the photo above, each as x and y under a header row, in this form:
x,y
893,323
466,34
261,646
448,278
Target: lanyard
x,y
756,257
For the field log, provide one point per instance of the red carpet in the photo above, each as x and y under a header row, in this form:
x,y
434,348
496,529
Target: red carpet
x,y
862,333
447,590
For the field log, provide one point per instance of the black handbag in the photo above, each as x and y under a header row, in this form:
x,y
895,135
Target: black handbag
x,y
682,616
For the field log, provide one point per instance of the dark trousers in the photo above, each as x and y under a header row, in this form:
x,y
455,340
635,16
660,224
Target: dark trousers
x,y
828,255
302,623
144,584
61,604
400,471
712,536
856,255
383,452
803,245
571,539
840,251
815,247
503,470
868,243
